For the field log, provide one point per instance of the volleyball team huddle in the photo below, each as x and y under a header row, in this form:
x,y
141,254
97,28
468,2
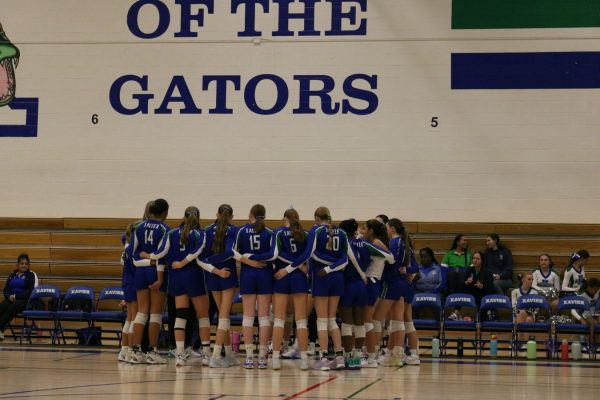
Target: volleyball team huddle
x,y
363,277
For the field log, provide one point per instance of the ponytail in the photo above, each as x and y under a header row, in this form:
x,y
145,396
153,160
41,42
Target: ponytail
x,y
577,256
224,216
295,227
191,220
258,212
408,243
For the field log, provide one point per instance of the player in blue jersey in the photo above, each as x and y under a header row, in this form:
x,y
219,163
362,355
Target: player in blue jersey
x,y
218,253
128,285
328,281
287,243
150,283
396,290
256,284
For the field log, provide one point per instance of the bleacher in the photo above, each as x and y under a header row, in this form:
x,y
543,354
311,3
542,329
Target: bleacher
x,y
86,251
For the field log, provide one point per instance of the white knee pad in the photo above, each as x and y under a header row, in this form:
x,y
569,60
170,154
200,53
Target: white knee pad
x,y
264,321
248,321
140,319
321,324
359,331
131,328
301,324
396,326
279,323
156,319
410,327
126,327
377,326
346,329
223,324
289,318
369,327
332,324
204,322
180,323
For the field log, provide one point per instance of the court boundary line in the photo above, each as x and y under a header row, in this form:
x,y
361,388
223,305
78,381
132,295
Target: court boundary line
x,y
308,389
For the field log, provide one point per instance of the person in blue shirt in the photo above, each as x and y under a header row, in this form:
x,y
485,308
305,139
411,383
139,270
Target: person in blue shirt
x,y
355,298
128,285
327,281
432,277
150,283
256,284
288,243
17,290
397,291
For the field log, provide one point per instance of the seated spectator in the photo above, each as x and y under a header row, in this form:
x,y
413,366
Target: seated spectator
x,y
499,262
546,281
524,315
590,291
17,290
574,272
432,277
479,282
456,261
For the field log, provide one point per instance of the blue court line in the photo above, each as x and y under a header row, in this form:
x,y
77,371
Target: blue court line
x,y
55,350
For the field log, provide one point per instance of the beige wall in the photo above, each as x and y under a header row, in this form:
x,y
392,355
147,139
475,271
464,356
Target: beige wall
x,y
522,156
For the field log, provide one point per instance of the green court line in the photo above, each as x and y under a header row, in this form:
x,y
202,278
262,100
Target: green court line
x,y
363,389
517,14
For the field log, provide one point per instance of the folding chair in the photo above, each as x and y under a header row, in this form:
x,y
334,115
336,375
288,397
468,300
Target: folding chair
x,y
431,305
467,304
565,305
496,302
108,310
76,306
41,306
541,306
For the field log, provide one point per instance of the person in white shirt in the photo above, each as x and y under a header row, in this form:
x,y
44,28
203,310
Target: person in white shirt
x,y
546,281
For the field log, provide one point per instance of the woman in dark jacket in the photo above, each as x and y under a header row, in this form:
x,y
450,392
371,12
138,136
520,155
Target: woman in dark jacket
x,y
17,290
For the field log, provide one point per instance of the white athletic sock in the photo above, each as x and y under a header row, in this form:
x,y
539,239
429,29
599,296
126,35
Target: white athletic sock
x,y
125,348
206,348
262,351
250,351
304,355
180,347
228,350
276,354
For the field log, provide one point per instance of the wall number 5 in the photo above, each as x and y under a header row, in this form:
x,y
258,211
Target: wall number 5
x,y
434,122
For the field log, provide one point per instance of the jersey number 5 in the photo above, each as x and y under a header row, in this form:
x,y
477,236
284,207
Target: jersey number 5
x,y
254,242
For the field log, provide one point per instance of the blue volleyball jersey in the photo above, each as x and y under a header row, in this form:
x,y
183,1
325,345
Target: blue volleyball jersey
x,y
147,237
392,270
171,249
317,244
360,258
283,248
127,262
248,241
224,259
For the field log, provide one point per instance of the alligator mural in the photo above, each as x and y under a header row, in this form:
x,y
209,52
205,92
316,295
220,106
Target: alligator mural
x,y
9,59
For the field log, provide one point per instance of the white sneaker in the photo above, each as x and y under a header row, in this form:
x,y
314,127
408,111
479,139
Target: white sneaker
x,y
311,351
276,363
368,363
217,363
384,359
292,352
122,355
137,357
192,354
152,357
413,359
205,360
232,360
180,360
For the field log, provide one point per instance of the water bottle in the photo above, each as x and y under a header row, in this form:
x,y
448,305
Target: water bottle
x,y
494,346
576,350
435,347
531,348
235,341
564,350
459,347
